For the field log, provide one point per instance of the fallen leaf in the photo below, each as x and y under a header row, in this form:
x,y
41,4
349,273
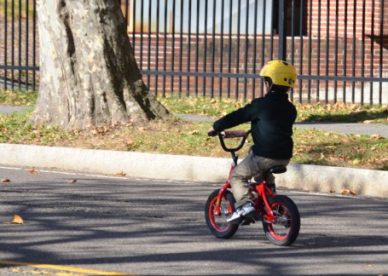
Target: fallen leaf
x,y
348,192
32,171
121,173
129,142
376,136
5,180
356,161
17,219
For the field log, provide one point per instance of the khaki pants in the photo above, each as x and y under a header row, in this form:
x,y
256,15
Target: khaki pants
x,y
251,166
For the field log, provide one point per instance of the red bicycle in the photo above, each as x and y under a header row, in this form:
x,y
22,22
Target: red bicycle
x,y
279,214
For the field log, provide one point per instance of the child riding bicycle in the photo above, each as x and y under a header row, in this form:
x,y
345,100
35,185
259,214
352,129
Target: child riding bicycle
x,y
272,118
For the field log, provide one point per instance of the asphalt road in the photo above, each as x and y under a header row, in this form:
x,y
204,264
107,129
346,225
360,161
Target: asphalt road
x,y
86,224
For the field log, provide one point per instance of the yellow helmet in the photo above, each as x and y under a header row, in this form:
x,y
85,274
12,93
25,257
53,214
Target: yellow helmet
x,y
280,72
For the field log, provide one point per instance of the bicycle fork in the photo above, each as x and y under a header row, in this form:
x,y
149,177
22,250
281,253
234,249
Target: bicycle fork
x,y
221,194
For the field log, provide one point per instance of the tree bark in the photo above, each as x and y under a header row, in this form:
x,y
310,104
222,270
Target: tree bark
x,y
88,74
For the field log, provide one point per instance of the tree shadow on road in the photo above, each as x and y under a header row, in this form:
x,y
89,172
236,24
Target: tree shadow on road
x,y
162,224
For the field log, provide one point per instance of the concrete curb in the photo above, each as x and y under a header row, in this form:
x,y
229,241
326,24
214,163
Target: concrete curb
x,y
189,168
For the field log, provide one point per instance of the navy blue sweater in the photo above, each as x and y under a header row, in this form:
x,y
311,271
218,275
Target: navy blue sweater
x,y
272,118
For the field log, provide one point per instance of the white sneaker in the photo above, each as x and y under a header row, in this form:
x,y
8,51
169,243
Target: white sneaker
x,y
242,211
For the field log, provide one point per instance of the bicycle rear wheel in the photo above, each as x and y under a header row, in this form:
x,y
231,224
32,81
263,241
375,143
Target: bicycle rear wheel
x,y
217,223
283,229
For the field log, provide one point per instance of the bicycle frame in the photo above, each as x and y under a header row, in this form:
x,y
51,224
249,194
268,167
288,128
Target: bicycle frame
x,y
262,190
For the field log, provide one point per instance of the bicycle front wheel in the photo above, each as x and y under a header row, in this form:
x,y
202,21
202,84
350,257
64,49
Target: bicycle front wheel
x,y
217,222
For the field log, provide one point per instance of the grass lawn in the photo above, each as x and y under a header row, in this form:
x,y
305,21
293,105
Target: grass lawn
x,y
179,137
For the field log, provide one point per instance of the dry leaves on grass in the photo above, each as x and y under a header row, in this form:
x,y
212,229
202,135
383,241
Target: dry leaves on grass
x,y
376,136
194,132
101,130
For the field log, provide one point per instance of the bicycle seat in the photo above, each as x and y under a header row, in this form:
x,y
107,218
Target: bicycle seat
x,y
277,169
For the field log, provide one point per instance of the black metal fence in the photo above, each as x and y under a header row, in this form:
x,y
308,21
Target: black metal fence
x,y
18,45
216,48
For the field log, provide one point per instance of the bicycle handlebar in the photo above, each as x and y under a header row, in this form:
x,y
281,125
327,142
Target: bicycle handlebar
x,y
233,134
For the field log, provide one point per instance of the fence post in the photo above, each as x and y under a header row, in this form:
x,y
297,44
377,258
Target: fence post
x,y
282,30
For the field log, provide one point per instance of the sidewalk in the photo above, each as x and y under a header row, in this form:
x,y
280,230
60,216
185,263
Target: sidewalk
x,y
8,109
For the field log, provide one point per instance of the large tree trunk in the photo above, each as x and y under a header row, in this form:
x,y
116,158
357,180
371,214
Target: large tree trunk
x,y
88,74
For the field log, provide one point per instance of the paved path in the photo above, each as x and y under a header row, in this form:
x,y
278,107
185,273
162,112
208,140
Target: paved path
x,y
348,128
8,109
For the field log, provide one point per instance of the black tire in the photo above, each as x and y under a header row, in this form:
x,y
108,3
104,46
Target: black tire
x,y
217,224
285,229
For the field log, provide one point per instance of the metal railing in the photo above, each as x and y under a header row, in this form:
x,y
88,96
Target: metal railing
x,y
18,45
216,48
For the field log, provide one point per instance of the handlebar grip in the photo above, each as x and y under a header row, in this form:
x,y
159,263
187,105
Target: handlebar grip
x,y
212,133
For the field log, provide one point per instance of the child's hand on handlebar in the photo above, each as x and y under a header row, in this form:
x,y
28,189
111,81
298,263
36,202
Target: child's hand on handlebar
x,y
212,132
